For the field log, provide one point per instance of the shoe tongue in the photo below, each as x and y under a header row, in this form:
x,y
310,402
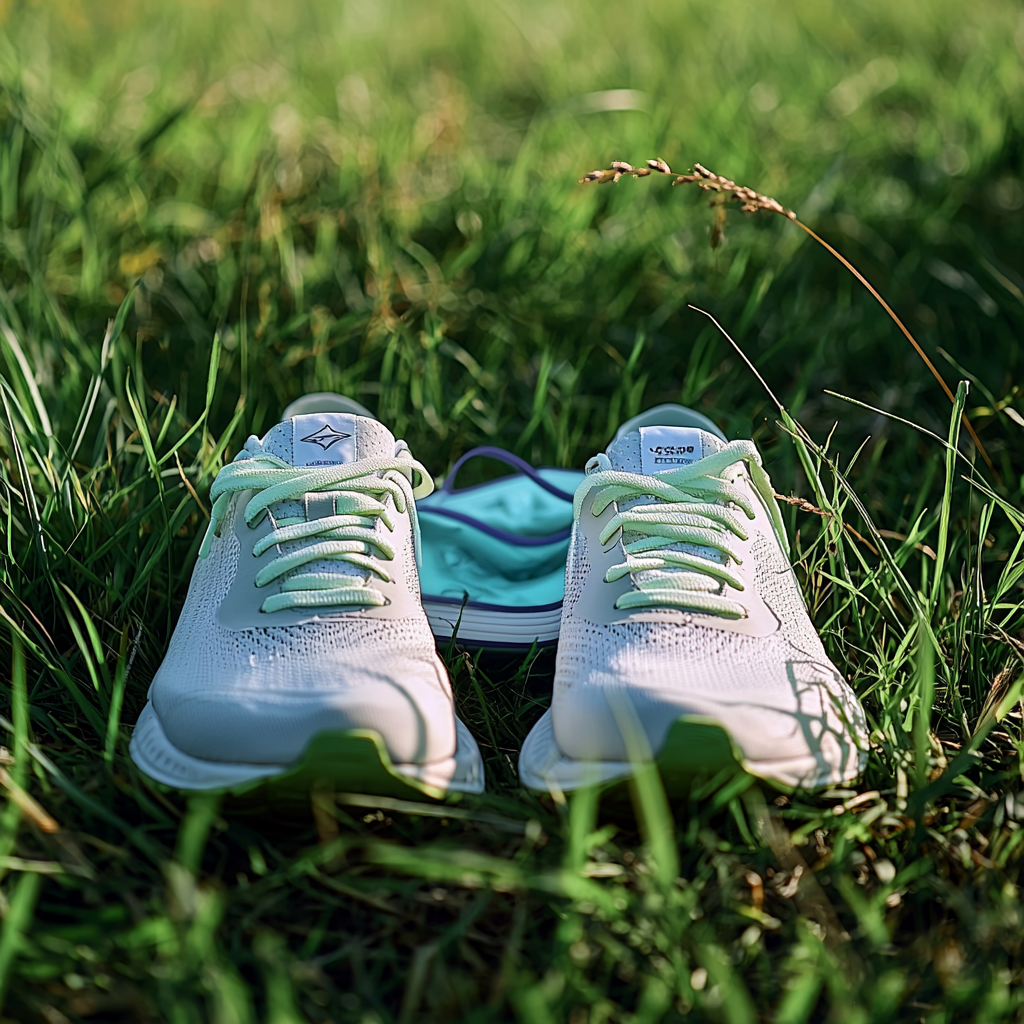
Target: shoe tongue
x,y
652,450
324,439
320,439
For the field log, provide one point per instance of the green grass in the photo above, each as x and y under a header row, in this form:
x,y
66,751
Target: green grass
x,y
207,210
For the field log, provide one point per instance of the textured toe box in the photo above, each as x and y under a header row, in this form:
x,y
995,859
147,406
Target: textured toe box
x,y
776,703
259,696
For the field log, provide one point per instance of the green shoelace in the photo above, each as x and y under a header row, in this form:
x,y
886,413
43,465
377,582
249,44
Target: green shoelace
x,y
695,504
360,489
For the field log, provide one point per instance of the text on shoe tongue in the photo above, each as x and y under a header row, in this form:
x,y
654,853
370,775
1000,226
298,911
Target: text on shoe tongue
x,y
663,448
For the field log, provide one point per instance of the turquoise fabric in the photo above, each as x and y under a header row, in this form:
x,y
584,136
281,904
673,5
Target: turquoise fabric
x,y
459,559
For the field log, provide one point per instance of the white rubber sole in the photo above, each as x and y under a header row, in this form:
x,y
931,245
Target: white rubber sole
x,y
155,755
487,626
543,766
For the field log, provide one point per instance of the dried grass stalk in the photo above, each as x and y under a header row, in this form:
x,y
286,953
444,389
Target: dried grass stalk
x,y
750,202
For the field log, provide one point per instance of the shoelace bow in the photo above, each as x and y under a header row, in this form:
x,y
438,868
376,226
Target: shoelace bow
x,y
692,506
360,489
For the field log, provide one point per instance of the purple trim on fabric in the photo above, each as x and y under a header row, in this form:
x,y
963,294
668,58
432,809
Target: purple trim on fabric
x,y
510,459
493,531
460,601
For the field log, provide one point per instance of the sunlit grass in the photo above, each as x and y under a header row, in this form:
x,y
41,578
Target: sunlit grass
x,y
381,199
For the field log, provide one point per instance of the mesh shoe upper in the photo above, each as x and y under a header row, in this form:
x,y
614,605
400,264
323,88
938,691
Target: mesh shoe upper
x,y
240,683
763,675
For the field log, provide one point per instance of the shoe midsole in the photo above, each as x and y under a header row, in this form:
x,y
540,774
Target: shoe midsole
x,y
162,761
543,765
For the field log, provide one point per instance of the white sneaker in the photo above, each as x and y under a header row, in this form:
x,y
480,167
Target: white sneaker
x,y
684,635
303,650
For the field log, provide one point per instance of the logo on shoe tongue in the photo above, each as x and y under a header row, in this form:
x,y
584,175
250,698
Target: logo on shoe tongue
x,y
665,448
325,437
668,452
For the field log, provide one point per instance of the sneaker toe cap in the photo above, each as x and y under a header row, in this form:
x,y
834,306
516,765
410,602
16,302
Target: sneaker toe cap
x,y
269,716
803,713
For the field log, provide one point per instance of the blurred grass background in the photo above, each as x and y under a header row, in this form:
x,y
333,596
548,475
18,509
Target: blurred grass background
x,y
381,198
386,181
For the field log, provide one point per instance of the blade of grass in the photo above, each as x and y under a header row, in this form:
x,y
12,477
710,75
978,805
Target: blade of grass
x,y
42,419
582,821
923,711
11,815
26,481
647,791
116,699
114,329
20,914
19,711
195,830
947,493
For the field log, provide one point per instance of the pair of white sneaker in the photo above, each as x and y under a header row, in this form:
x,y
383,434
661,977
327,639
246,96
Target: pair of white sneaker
x,y
303,651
